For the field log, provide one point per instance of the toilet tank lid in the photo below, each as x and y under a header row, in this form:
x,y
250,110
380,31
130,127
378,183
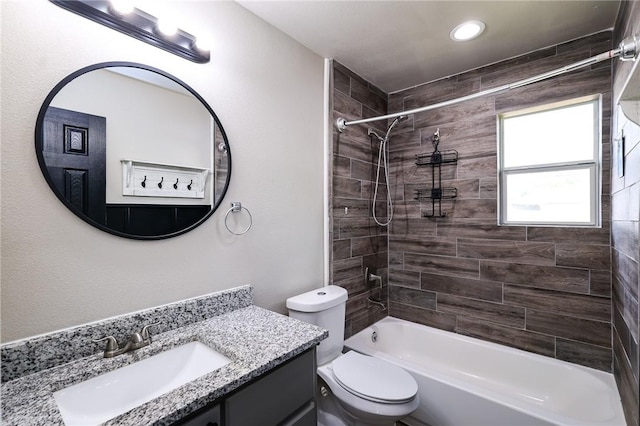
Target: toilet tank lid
x,y
317,300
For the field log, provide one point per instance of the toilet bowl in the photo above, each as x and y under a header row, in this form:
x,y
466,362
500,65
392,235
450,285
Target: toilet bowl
x,y
369,390
362,390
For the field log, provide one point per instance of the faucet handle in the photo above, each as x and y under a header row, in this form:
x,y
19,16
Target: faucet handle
x,y
112,343
136,338
145,331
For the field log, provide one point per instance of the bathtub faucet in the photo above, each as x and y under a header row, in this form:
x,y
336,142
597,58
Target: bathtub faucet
x,y
373,277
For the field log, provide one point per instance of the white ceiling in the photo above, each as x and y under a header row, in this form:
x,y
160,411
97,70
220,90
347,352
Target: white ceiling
x,y
399,44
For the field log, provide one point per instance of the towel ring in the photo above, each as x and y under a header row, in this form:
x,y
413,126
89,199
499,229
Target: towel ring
x,y
235,208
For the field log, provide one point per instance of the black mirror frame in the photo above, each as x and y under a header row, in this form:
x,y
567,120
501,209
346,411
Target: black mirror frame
x,y
43,167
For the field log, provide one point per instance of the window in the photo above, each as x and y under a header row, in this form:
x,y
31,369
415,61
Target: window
x,y
549,165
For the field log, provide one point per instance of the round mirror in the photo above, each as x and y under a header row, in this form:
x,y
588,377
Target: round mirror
x,y
132,150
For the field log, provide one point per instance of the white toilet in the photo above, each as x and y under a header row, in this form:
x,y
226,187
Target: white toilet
x,y
368,391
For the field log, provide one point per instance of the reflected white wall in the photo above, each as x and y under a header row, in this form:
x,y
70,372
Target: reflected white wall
x,y
145,122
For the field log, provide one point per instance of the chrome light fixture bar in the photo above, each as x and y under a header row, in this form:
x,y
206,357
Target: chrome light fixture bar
x,y
138,24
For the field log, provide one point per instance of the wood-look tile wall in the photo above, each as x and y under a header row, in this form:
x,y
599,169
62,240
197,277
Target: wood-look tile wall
x,y
625,233
542,289
357,241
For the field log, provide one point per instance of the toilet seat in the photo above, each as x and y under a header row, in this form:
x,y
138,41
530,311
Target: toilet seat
x,y
361,405
373,379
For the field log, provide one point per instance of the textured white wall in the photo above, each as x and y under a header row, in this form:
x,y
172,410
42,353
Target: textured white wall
x,y
57,271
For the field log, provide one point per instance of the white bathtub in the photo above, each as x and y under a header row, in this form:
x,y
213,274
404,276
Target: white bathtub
x,y
464,381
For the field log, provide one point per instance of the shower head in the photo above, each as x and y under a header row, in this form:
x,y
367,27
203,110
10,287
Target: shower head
x,y
396,121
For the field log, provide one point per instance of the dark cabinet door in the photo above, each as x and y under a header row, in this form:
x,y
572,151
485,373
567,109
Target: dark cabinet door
x,y
277,397
283,397
207,417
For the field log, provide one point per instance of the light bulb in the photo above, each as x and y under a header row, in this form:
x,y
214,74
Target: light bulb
x,y
121,7
202,44
166,27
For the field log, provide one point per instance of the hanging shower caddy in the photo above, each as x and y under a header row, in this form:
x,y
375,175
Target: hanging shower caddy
x,y
437,193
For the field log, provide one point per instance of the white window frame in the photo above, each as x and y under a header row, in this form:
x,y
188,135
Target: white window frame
x,y
594,166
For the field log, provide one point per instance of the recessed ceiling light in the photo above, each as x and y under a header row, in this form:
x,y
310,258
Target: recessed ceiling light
x,y
467,31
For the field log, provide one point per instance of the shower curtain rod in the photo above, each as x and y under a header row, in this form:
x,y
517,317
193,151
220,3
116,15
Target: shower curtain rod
x,y
627,51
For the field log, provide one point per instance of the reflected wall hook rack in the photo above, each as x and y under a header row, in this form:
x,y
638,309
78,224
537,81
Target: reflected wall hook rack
x,y
145,179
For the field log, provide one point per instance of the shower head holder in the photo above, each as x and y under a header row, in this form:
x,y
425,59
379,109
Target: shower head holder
x,y
372,132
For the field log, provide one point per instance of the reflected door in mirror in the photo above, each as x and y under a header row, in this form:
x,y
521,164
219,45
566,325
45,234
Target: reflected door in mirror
x,y
74,150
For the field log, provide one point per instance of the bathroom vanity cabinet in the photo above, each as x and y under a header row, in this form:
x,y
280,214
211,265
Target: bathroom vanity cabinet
x,y
282,397
270,381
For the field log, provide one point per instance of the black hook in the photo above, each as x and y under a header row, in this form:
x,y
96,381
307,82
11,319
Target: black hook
x,y
160,183
144,182
435,139
436,156
189,186
175,185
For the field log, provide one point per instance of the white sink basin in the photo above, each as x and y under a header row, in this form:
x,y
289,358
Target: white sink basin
x,y
104,397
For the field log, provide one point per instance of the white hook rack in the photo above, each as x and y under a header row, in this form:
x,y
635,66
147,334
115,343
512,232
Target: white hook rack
x,y
145,179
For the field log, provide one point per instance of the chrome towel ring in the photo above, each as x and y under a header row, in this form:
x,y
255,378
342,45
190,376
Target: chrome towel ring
x,y
237,207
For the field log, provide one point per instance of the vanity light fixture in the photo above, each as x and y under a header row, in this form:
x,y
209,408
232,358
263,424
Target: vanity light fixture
x,y
120,15
467,31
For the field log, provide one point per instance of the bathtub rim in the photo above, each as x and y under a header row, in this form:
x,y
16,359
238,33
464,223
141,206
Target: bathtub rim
x,y
488,394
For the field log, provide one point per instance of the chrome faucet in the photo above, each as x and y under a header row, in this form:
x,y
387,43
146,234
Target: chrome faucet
x,y
368,276
374,277
136,341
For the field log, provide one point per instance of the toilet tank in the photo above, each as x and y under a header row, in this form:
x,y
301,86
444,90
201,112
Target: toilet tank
x,y
324,307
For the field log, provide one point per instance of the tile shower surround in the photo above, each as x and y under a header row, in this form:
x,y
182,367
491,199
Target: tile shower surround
x,y
541,289
357,241
625,235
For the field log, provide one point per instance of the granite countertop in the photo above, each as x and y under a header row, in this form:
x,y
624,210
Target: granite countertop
x,y
255,339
